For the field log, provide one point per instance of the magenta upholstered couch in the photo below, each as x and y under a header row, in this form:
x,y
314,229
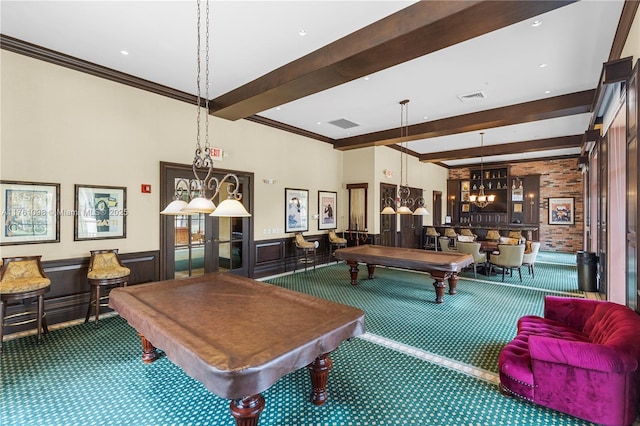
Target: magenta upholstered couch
x,y
582,358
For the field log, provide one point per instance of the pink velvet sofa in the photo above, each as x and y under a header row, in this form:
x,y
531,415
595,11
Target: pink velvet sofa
x,y
582,358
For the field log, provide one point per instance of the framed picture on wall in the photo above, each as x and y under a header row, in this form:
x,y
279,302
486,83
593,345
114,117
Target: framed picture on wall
x,y
101,212
30,212
327,209
465,185
296,210
465,208
561,211
517,207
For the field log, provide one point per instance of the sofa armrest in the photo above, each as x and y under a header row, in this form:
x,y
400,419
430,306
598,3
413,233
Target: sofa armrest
x,y
586,355
570,311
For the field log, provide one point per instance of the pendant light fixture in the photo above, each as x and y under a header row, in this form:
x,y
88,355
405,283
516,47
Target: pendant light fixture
x,y
481,200
200,202
403,201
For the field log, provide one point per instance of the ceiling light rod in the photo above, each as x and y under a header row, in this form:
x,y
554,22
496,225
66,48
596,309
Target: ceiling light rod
x,y
481,200
197,193
403,201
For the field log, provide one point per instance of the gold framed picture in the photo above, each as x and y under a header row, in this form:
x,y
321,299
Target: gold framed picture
x,y
517,207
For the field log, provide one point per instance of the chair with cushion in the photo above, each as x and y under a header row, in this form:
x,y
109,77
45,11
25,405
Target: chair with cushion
x,y
445,247
431,239
467,233
336,242
582,358
492,235
23,278
105,271
307,247
518,236
452,235
510,257
508,240
473,248
529,258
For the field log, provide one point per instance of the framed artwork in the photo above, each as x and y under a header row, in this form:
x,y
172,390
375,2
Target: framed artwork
x,y
101,212
465,196
517,194
327,209
517,207
466,185
30,212
465,208
296,210
561,211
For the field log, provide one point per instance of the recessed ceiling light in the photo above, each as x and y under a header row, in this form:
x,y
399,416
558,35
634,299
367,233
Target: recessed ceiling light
x,y
366,78
547,91
124,52
302,33
425,117
319,122
536,23
542,65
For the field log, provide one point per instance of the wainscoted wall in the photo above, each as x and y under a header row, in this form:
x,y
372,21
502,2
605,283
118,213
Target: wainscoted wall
x,y
277,256
69,295
562,179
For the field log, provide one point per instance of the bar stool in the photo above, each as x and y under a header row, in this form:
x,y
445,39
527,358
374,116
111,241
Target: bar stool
x,y
431,238
22,278
336,242
105,270
307,247
452,235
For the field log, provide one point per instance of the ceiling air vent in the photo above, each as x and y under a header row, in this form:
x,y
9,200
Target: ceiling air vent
x,y
343,123
470,97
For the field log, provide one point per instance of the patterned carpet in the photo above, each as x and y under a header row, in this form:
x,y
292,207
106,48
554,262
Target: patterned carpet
x,y
413,367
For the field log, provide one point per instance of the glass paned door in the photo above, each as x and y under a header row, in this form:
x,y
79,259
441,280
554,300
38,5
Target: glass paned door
x,y
189,245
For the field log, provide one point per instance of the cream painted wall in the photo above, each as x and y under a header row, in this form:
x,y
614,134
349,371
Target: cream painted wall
x,y
67,127
632,45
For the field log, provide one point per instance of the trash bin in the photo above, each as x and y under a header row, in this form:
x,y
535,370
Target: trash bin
x,y
587,271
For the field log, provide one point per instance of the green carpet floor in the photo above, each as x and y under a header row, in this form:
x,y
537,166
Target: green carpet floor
x,y
84,375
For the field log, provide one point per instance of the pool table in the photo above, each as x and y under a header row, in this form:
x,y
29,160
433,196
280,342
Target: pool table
x,y
441,266
236,335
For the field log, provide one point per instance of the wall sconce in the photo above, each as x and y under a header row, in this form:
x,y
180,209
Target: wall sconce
x,y
532,197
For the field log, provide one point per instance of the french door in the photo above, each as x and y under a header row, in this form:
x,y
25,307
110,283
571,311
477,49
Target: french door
x,y
193,245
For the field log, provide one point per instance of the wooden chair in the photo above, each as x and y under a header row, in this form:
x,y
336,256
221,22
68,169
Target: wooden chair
x,y
23,278
105,271
336,242
510,257
306,247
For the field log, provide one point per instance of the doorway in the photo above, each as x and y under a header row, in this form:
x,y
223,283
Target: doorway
x,y
437,208
192,245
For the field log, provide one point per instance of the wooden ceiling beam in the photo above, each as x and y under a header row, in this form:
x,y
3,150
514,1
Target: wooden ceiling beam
x,y
554,107
420,29
561,142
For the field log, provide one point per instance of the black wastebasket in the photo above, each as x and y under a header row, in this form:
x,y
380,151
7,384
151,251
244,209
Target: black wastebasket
x,y
587,271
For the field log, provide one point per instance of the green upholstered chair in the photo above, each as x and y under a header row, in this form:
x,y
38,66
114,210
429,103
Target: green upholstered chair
x,y
336,242
23,278
473,248
105,271
444,245
510,257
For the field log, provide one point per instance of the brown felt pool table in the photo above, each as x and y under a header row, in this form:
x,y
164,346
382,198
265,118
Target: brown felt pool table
x,y
236,335
441,266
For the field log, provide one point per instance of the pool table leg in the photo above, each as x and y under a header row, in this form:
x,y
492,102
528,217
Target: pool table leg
x,y
149,352
439,284
247,410
319,370
353,268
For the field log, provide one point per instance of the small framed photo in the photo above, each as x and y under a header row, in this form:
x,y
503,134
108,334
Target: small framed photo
x,y
561,211
327,209
100,212
517,207
465,208
296,210
465,185
30,212
465,196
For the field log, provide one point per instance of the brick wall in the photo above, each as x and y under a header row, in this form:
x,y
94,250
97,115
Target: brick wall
x,y
558,179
